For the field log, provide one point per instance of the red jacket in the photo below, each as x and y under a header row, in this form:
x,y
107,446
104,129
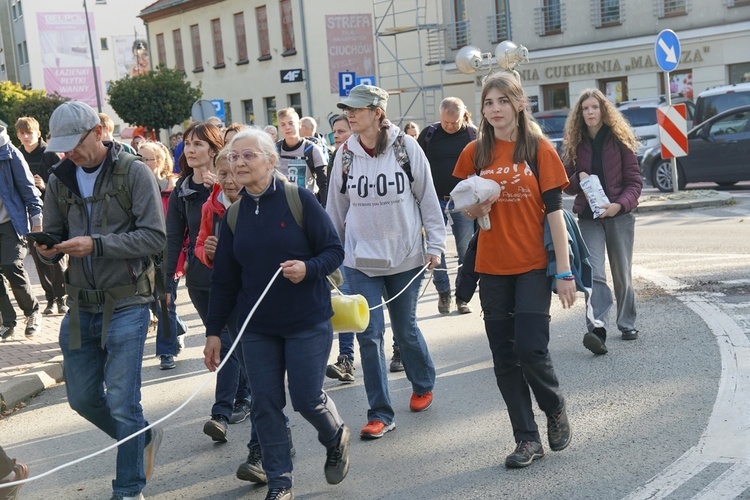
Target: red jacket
x,y
211,214
621,171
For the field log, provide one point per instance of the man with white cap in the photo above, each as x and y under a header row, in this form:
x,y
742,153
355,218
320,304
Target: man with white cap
x,y
104,206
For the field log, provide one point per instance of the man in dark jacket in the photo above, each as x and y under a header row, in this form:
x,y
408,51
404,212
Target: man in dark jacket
x,y
19,204
110,281
40,162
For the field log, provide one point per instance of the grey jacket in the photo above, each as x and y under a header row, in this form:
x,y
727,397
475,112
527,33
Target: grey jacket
x,y
121,250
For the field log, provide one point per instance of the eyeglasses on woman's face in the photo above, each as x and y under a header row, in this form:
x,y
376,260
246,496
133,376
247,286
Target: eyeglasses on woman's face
x,y
352,111
246,155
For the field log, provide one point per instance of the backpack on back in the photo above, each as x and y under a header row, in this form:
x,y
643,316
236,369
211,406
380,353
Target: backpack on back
x,y
399,149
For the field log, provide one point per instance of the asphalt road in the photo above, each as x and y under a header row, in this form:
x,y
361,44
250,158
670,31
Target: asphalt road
x,y
661,417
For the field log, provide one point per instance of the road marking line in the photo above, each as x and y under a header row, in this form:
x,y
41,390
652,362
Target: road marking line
x,y
732,483
726,437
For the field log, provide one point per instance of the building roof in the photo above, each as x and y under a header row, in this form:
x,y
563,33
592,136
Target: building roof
x,y
166,8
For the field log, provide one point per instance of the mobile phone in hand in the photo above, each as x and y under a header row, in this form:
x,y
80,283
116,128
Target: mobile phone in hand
x,y
43,238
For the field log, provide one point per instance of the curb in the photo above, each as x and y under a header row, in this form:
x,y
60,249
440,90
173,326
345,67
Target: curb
x,y
30,383
716,199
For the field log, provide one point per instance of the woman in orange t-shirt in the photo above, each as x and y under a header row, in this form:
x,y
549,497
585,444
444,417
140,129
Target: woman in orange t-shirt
x,y
514,289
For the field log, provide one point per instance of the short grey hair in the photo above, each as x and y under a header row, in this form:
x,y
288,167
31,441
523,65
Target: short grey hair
x,y
264,141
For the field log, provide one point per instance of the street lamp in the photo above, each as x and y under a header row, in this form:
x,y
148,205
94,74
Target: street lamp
x,y
93,60
507,55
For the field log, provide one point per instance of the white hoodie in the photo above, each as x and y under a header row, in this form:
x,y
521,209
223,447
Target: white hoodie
x,y
380,216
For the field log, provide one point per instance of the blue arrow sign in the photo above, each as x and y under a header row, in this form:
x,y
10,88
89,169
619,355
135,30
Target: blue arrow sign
x,y
667,49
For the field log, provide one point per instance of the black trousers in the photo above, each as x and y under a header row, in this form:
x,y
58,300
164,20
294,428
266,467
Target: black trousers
x,y
516,319
12,254
51,277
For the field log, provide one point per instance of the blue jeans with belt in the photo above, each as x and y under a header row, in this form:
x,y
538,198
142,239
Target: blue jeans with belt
x,y
462,228
116,410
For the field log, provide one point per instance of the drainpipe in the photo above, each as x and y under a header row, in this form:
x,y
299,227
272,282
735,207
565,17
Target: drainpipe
x,y
306,63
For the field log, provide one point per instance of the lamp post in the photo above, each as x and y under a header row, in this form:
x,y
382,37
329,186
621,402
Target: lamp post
x,y
93,60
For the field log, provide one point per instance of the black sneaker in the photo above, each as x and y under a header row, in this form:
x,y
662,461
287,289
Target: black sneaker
x,y
50,309
444,303
525,453
62,308
594,341
217,428
396,364
167,362
6,332
337,459
280,494
252,469
342,369
630,335
558,429
33,323
240,412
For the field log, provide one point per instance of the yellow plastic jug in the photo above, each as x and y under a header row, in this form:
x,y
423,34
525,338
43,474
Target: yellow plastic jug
x,y
350,313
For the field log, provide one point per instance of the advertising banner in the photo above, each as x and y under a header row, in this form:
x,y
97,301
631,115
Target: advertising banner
x,y
351,46
66,59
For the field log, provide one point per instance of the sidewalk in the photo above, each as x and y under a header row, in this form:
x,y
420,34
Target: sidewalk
x,y
28,366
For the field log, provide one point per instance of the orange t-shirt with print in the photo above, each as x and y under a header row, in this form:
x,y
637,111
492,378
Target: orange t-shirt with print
x,y
515,242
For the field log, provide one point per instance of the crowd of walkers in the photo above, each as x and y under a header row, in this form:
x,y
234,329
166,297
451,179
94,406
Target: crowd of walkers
x,y
233,208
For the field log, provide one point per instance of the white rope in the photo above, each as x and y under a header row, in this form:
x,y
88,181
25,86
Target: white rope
x,y
168,415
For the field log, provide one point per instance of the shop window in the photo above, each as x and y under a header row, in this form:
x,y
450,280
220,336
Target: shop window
x,y
271,117
295,101
739,73
680,83
556,96
616,89
247,109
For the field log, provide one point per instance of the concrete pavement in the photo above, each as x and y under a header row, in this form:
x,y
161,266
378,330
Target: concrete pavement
x,y
28,366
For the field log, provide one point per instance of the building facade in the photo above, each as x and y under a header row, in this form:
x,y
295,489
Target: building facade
x,y
46,46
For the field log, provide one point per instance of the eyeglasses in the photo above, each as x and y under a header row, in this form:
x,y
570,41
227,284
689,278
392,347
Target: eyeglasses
x,y
352,111
147,159
246,155
83,138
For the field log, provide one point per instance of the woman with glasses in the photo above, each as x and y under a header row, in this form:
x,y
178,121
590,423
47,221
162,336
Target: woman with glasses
x,y
380,210
290,332
511,260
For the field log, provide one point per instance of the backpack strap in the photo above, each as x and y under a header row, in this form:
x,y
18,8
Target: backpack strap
x,y
291,191
232,212
429,133
472,133
346,163
402,156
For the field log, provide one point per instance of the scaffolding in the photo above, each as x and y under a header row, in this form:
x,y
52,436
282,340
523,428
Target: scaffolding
x,y
410,40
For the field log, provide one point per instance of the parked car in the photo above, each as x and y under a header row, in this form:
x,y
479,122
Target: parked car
x,y
717,99
553,125
718,151
641,113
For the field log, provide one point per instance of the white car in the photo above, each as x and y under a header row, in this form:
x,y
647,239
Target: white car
x,y
641,113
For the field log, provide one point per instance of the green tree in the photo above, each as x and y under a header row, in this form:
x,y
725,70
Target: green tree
x,y
10,94
40,106
159,99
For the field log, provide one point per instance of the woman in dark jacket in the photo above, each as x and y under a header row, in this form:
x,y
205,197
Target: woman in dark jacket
x,y
290,335
601,142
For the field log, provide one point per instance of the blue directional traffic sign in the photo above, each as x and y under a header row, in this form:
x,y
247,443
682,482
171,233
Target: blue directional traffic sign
x,y
667,49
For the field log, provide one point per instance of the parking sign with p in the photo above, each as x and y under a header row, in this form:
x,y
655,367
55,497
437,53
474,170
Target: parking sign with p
x,y
346,82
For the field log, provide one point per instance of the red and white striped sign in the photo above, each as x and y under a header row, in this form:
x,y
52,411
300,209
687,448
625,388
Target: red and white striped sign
x,y
672,122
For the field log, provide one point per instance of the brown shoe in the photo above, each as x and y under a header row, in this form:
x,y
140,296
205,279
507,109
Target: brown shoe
x,y
462,307
444,303
11,493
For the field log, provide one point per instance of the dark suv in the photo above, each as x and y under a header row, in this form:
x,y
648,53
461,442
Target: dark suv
x,y
718,99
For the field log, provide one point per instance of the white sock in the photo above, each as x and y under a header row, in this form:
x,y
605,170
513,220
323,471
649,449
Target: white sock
x,y
10,477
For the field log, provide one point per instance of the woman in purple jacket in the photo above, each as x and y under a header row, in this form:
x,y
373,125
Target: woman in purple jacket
x,y
601,142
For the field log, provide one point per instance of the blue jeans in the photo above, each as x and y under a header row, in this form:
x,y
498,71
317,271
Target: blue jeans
x,y
463,229
346,339
167,346
403,313
303,357
117,411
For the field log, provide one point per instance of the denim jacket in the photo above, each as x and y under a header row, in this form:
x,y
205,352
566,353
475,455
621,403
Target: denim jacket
x,y
17,191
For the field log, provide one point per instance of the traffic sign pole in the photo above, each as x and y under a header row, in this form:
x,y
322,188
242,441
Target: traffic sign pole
x,y
667,50
674,159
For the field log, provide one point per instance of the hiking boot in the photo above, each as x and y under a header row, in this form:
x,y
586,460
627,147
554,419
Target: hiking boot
x,y
33,323
375,429
21,472
629,334
167,362
420,402
50,309
280,494
62,308
525,453
149,451
444,303
6,332
463,307
558,429
240,412
342,369
594,341
337,459
396,364
217,428
252,469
